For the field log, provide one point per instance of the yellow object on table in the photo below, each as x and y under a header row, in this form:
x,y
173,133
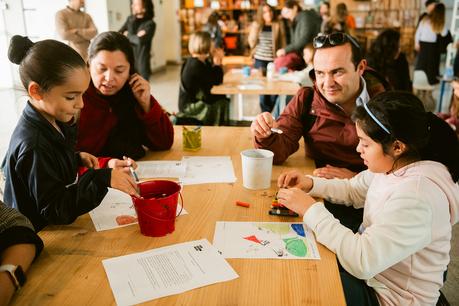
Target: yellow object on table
x,y
191,138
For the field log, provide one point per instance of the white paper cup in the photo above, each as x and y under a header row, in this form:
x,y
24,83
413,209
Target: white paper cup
x,y
257,165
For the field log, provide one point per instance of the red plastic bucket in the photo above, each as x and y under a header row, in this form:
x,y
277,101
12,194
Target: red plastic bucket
x,y
156,210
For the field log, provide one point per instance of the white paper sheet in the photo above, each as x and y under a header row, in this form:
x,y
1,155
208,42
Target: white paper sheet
x,y
208,169
117,210
169,270
162,168
277,240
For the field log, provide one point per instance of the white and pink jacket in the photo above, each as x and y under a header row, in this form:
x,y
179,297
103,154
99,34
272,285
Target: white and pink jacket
x,y
403,245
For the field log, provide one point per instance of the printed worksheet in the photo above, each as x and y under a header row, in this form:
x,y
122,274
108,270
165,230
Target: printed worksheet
x,y
169,270
281,240
160,168
117,210
208,169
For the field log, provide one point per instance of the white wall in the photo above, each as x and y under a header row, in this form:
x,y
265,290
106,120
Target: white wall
x,y
172,44
98,11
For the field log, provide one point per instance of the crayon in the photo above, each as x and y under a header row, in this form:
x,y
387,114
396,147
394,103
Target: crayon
x,y
243,204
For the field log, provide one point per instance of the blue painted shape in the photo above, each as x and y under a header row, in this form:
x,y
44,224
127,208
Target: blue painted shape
x,y
299,229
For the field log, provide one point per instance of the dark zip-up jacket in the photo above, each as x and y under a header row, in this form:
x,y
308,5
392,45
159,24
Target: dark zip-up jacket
x,y
41,167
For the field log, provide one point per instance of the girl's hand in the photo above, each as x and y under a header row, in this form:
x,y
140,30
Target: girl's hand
x,y
141,90
295,199
122,165
89,160
295,179
123,182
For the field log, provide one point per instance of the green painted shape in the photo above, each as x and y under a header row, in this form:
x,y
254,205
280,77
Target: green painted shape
x,y
279,228
296,247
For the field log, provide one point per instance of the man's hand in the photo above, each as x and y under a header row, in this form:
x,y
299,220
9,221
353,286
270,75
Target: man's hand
x,y
330,172
261,126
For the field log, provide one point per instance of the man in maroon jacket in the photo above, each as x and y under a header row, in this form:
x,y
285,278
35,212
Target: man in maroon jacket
x,y
322,115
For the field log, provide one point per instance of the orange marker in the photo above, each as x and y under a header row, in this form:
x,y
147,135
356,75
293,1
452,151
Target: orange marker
x,y
239,203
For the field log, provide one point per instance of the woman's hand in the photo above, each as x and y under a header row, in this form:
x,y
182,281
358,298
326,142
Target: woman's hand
x,y
89,160
141,90
122,165
295,179
124,182
330,172
295,199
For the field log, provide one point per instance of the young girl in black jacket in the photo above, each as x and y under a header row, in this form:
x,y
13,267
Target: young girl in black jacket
x,y
41,165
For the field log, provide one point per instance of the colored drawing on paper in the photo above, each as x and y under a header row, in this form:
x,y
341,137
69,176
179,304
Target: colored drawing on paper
x,y
299,229
276,240
296,247
253,238
277,228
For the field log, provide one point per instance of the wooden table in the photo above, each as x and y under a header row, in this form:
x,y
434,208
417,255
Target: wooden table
x,y
70,271
234,83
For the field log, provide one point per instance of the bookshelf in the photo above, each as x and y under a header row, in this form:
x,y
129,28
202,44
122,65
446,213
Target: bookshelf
x,y
193,15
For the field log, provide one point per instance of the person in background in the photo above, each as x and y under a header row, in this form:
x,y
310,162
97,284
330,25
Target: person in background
x,y
427,36
41,164
140,28
410,200
266,36
386,58
430,5
452,118
322,115
19,246
199,73
305,25
120,116
346,20
302,77
76,27
324,12
213,28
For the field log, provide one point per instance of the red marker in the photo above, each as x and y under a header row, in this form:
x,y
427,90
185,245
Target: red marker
x,y
239,203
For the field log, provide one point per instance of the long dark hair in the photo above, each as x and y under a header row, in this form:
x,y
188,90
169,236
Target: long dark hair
x,y
260,20
383,51
46,62
149,9
112,41
426,136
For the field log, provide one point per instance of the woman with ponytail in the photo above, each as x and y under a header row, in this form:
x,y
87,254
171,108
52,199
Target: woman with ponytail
x,y
41,163
410,200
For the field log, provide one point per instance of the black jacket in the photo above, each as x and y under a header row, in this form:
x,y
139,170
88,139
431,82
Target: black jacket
x,y
197,76
140,45
41,169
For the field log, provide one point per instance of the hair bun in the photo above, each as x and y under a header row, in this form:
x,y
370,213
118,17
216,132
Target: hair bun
x,y
19,46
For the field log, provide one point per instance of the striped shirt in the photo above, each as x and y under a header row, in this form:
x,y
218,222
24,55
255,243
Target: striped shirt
x,y
264,49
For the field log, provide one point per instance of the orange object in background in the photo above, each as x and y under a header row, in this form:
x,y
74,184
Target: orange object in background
x,y
230,42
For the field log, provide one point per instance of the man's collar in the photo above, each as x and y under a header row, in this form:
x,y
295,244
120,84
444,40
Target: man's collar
x,y
363,97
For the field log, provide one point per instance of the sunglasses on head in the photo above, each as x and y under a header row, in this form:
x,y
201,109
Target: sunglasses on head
x,y
334,39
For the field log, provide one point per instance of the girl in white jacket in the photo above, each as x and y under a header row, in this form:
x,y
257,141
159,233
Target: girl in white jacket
x,y
410,202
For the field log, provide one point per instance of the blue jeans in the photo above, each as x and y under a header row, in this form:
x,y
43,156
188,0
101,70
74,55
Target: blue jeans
x,y
267,102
